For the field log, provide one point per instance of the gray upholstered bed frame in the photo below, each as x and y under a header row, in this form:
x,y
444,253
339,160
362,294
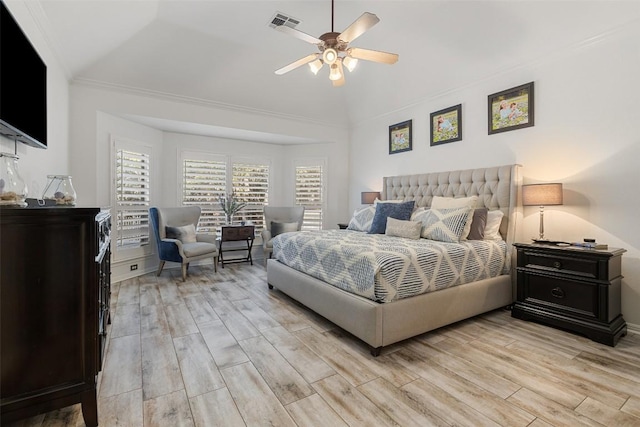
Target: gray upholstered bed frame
x,y
383,324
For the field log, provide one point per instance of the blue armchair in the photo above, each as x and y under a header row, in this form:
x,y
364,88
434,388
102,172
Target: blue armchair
x,y
193,248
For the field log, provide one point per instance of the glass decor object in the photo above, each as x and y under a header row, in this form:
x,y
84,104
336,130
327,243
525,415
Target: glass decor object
x,y
60,189
13,190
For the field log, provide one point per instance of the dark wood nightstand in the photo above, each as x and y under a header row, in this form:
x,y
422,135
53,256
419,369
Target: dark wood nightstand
x,y
572,288
343,226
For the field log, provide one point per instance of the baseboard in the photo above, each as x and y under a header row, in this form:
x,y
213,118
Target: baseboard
x,y
632,328
169,265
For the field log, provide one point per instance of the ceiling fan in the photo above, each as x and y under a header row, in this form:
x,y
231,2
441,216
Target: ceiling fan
x,y
335,51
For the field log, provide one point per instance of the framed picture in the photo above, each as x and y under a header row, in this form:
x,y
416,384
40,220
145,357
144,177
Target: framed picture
x,y
511,109
400,137
446,125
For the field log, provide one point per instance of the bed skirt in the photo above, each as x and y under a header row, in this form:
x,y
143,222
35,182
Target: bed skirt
x,y
380,324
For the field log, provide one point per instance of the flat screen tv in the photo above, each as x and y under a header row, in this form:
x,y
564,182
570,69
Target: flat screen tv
x,y
23,85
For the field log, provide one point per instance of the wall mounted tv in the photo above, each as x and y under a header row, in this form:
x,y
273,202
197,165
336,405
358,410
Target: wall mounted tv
x,y
23,85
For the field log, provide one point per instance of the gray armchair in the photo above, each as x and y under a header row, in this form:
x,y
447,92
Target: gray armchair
x,y
195,247
287,219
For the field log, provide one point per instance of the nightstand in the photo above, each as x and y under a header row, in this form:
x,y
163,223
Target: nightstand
x,y
571,288
236,238
343,226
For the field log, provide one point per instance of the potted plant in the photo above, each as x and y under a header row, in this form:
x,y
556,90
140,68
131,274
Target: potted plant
x,y
230,205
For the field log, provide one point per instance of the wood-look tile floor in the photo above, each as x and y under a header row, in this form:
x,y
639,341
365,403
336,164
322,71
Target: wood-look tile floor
x,y
222,349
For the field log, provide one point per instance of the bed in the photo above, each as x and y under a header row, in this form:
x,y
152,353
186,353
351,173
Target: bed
x,y
380,323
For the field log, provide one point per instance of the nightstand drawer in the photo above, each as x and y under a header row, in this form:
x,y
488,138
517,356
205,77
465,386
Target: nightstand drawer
x,y
565,295
575,266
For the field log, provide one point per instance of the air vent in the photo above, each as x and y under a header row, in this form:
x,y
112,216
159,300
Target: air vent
x,y
280,19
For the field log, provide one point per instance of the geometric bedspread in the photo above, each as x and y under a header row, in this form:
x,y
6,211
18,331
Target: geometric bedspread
x,y
384,268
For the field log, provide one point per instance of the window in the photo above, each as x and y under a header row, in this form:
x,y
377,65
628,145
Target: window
x,y
310,194
132,182
250,183
203,182
206,177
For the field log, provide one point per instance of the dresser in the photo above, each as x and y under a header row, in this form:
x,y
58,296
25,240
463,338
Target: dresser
x,y
572,288
55,286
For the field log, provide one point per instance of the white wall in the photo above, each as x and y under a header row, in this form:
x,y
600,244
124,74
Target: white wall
x,y
36,163
95,116
585,136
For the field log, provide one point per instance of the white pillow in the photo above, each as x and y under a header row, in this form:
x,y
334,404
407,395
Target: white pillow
x,y
492,229
416,212
376,201
457,202
407,229
445,225
362,219
454,202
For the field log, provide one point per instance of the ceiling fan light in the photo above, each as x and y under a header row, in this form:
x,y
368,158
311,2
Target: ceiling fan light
x,y
350,63
315,66
329,56
335,73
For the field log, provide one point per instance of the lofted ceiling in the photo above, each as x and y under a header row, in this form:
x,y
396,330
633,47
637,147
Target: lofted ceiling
x,y
224,52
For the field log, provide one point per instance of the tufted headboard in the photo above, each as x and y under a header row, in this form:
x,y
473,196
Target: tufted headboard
x,y
497,188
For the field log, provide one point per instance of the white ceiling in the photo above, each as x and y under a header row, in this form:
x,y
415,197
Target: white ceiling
x,y
224,52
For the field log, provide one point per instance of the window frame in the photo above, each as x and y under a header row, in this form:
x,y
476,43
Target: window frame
x,y
230,162
126,144
312,162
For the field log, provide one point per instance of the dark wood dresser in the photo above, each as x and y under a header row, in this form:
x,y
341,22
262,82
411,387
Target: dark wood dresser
x,y
54,289
572,288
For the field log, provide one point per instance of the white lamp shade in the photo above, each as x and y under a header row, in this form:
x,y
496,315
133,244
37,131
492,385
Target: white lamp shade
x,y
336,72
315,66
350,63
542,194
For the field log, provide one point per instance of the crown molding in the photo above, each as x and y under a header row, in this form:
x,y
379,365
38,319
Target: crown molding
x,y
201,102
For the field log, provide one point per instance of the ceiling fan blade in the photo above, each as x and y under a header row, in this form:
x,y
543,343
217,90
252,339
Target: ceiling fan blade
x,y
297,63
299,34
373,55
358,27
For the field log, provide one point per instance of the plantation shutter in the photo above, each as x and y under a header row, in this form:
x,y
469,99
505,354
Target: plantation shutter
x,y
250,183
133,189
309,194
204,182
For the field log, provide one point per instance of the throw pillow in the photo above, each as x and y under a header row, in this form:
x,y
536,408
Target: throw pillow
x,y
453,202
457,202
416,212
362,218
282,227
492,229
185,233
394,210
407,229
478,224
376,201
445,225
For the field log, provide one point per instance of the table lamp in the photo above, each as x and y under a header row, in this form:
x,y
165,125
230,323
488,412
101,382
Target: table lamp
x,y
542,195
369,197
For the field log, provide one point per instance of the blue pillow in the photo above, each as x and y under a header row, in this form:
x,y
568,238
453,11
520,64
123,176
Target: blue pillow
x,y
401,211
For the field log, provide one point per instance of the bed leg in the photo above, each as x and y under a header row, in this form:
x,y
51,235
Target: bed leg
x,y
375,351
270,285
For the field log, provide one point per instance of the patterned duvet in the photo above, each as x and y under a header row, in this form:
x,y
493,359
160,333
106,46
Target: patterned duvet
x,y
384,268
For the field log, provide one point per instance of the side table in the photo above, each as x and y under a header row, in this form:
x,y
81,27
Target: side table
x,y
228,242
572,288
